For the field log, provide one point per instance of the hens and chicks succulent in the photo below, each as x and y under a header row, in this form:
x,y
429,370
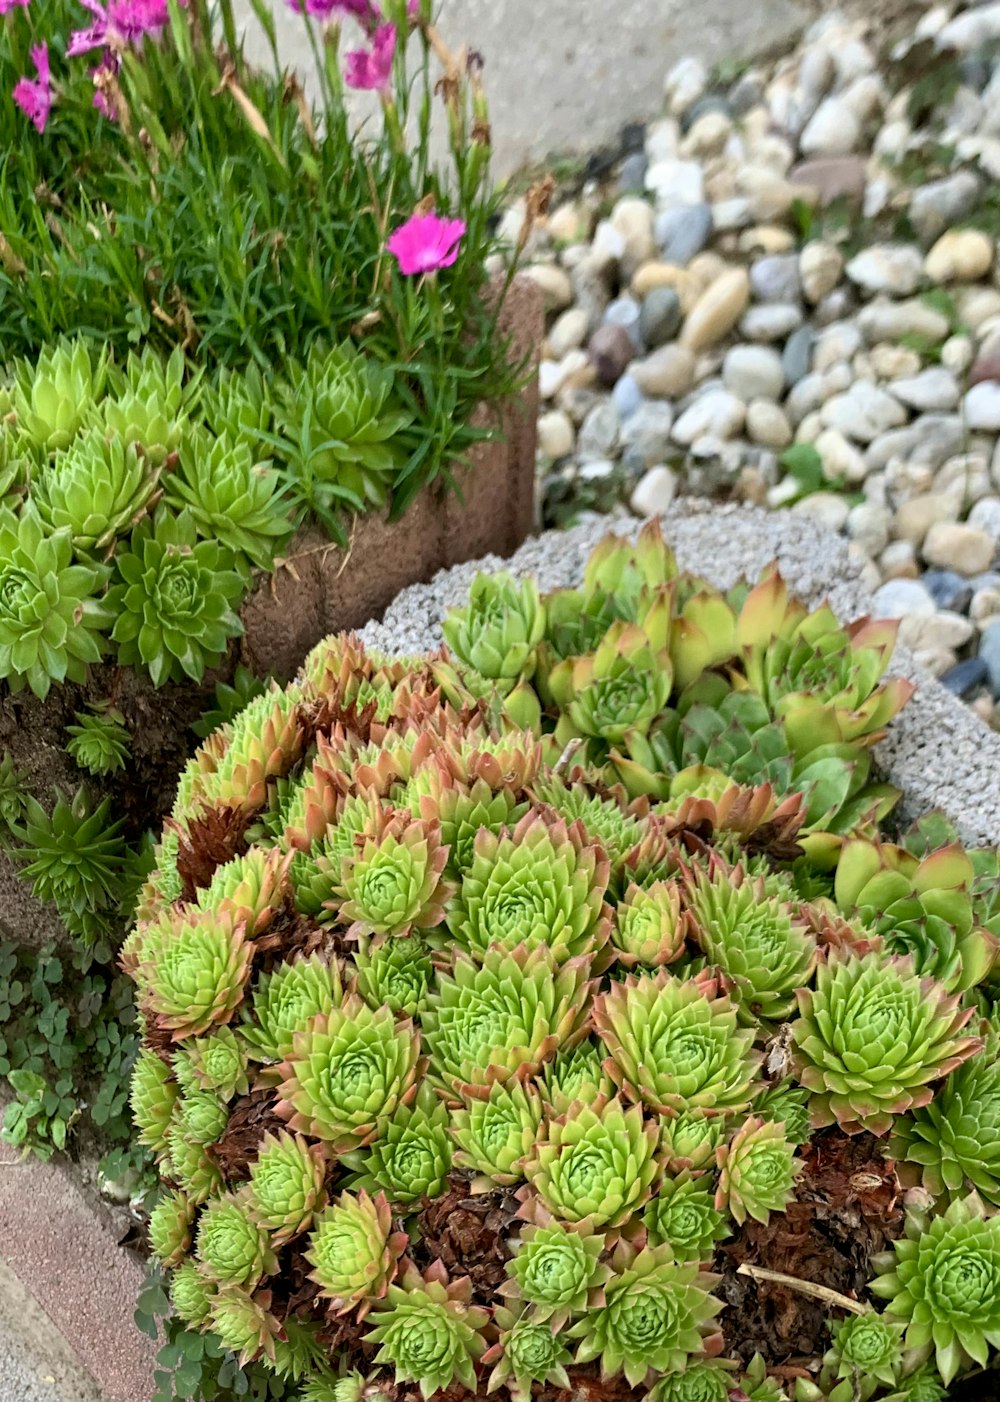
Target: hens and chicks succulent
x,y
578,930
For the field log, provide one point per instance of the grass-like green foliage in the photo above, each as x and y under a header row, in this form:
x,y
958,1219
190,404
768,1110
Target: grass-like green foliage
x,y
617,1016
222,214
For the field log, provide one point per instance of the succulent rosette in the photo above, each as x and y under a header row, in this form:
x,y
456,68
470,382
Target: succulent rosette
x,y
757,1171
527,1352
942,1281
152,1097
871,1039
230,1246
393,882
396,973
354,1251
557,1267
97,489
412,1157
192,972
689,1140
502,1019
755,939
285,1001
657,1313
428,1330
684,1214
243,1324
700,1382
618,689
148,404
674,1044
53,395
595,1162
191,1294
649,926
498,632
347,1072
538,886
575,1073
286,1184
954,1142
495,1135
866,1350
169,1228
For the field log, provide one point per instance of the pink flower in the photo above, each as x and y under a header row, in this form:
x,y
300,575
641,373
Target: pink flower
x,y
34,97
119,23
372,68
425,243
107,68
7,5
362,10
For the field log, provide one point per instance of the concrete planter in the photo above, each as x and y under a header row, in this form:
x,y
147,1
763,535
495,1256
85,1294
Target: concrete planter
x,y
938,751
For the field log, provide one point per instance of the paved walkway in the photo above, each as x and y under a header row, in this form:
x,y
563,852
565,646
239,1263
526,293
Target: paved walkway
x,y
36,1363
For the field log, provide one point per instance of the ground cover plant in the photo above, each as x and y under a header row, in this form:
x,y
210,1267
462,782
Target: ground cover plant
x,y
561,1015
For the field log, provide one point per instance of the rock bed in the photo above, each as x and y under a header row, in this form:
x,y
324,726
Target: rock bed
x,y
786,291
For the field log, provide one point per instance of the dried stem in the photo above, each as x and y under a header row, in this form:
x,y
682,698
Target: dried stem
x,y
804,1287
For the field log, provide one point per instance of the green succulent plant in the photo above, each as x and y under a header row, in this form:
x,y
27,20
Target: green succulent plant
x,y
238,403
412,1156
392,881
53,396
428,1330
286,1185
536,886
942,1281
354,1251
231,1247
786,1104
173,604
13,793
242,1324
191,1166
152,1097
232,498
97,489
501,1019
650,927
148,404
699,1382
191,1294
396,973
526,1352
683,1214
192,973
202,1116
576,1073
872,1037
557,1267
52,614
498,632
755,939
689,1140
73,856
460,810
757,1171
494,1136
618,689
657,1313
169,1228
337,417
822,680
596,1162
618,830
954,1141
675,1044
100,740
348,1071
285,1001
866,1351
219,1063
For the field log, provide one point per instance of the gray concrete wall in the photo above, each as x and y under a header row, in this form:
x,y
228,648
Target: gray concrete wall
x,y
565,75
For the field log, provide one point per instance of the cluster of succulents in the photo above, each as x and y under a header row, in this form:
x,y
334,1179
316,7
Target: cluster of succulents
x,y
136,499
500,1006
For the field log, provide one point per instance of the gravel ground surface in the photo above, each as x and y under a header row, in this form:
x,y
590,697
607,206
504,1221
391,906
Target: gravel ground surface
x,y
36,1363
938,751
785,290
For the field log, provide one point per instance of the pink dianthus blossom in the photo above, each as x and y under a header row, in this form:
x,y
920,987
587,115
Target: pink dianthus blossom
x,y
7,5
106,69
425,243
34,96
363,11
372,68
119,23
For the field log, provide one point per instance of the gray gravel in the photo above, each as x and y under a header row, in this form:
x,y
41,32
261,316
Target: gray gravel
x,y
36,1363
938,752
